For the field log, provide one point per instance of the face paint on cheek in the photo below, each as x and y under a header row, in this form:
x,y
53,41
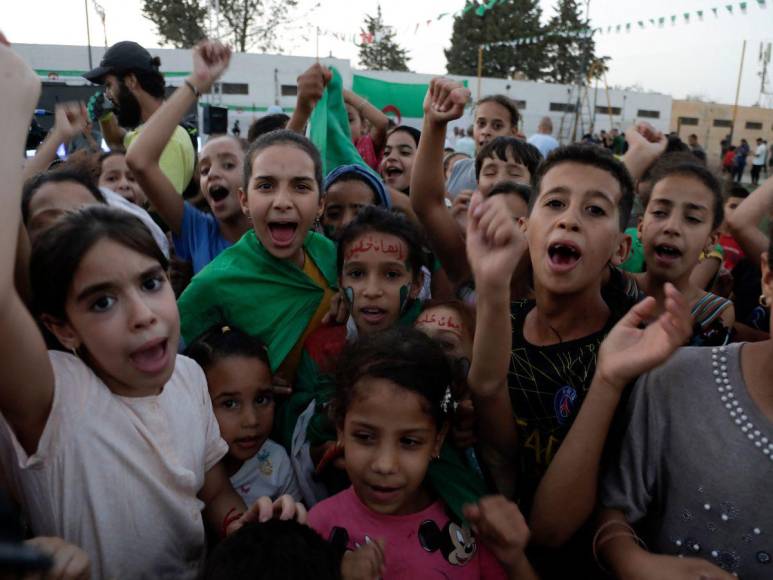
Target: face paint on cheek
x,y
349,293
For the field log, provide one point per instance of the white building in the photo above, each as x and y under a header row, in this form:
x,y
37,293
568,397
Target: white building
x,y
256,81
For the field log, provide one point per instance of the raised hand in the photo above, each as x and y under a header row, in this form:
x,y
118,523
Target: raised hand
x,y
311,86
495,242
499,524
630,350
210,60
364,563
19,88
70,119
445,100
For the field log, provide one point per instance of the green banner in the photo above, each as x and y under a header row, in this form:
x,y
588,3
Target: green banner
x,y
408,98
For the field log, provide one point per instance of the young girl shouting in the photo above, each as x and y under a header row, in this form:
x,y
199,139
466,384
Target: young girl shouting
x,y
114,447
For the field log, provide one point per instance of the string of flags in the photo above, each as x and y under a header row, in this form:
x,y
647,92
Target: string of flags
x,y
481,7
659,22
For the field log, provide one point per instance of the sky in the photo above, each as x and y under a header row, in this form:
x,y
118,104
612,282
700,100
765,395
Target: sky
x,y
700,59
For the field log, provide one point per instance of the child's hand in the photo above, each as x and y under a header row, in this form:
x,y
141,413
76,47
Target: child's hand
x,y
20,86
339,310
643,138
281,387
445,100
70,119
495,242
499,524
364,563
311,86
657,567
629,350
284,508
70,562
210,60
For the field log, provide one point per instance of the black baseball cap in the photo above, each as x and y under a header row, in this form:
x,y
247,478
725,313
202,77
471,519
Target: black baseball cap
x,y
122,57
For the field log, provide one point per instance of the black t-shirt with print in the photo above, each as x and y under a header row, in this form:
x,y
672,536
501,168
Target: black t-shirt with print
x,y
547,385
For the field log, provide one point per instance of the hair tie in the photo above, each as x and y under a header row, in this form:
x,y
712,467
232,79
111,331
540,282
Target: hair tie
x,y
224,329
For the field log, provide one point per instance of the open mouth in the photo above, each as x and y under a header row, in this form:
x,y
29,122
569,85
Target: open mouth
x,y
564,255
282,233
372,314
392,171
218,193
152,357
667,252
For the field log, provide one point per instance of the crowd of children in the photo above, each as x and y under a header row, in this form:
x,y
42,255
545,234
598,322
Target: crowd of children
x,y
499,366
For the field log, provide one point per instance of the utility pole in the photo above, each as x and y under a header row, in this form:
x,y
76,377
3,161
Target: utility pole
x,y
88,32
737,92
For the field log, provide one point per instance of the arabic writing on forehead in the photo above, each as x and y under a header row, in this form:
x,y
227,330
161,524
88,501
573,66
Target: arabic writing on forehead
x,y
377,244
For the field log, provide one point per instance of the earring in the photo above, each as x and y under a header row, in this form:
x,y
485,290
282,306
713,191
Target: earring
x,y
764,301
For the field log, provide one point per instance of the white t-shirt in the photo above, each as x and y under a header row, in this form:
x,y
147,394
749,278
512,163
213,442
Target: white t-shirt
x,y
760,154
118,476
268,472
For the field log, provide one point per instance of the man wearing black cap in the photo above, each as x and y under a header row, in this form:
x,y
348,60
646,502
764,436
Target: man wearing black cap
x,y
135,86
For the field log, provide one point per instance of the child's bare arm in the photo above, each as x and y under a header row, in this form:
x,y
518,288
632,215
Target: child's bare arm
x,y
311,86
445,101
704,272
210,60
27,383
744,222
495,244
566,495
69,120
379,122
620,549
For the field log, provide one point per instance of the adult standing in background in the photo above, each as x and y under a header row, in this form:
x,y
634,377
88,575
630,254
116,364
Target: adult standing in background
x,y
135,86
739,162
543,139
760,155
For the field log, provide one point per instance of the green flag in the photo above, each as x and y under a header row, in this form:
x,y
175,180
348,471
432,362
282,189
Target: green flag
x,y
329,128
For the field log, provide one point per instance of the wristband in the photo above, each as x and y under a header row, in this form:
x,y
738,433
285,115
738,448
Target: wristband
x,y
194,90
229,518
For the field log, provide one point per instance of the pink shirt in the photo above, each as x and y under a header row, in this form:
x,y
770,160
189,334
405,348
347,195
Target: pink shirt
x,y
426,544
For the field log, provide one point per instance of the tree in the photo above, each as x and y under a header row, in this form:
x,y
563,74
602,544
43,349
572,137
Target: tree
x,y
246,23
179,22
378,50
505,21
570,49
254,23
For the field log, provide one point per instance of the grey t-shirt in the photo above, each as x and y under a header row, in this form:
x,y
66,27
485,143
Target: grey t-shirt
x,y
462,177
696,464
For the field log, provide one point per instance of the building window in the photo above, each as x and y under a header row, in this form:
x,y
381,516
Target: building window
x,y
520,105
234,88
562,107
289,90
604,110
754,125
644,113
723,123
688,120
